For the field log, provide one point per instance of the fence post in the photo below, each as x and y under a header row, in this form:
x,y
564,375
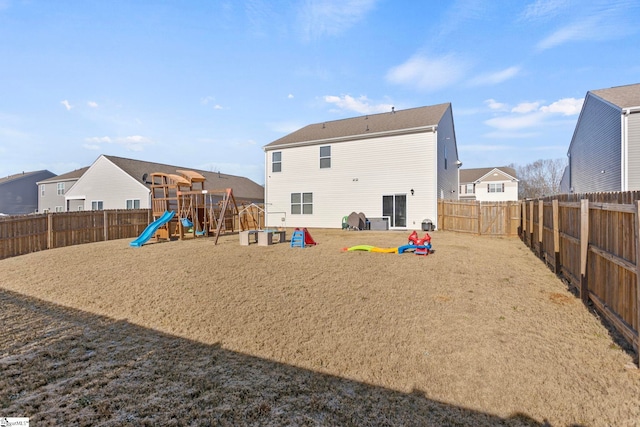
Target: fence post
x,y
49,231
523,220
556,235
105,225
531,223
479,207
637,237
584,249
541,228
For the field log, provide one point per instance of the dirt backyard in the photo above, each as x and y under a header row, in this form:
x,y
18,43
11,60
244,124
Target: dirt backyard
x,y
188,333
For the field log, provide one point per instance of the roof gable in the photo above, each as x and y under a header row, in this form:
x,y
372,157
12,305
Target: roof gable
x,y
621,96
366,126
479,174
69,176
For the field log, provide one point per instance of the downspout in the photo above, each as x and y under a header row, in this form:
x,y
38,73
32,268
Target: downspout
x,y
266,176
624,131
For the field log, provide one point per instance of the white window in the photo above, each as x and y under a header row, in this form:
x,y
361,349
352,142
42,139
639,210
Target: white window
x,y
61,189
469,189
133,204
301,203
97,205
42,189
276,161
325,157
46,210
495,187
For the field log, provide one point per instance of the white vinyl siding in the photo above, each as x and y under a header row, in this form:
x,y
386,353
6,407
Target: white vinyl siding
x,y
108,183
595,151
361,172
633,151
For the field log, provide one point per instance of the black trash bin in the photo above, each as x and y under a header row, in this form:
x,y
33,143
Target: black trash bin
x,y
427,225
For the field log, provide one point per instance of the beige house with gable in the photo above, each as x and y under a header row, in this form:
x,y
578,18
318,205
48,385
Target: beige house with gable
x,y
488,184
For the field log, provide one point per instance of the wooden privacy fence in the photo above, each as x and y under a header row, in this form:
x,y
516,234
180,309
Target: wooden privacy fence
x,y
484,218
591,240
30,233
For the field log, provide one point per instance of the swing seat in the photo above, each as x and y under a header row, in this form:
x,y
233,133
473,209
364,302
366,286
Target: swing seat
x,y
186,222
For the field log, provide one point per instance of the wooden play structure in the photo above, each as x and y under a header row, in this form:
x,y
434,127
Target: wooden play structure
x,y
199,212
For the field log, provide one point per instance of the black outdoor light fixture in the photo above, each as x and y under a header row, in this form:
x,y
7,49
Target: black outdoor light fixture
x,y
412,191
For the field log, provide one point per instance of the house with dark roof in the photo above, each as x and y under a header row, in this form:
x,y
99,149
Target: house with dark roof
x,y
19,192
604,154
497,184
118,183
52,191
391,166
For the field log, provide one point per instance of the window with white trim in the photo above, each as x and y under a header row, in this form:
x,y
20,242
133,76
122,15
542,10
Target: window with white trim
x,y
59,209
60,189
97,205
470,189
276,161
497,187
133,204
301,203
42,189
325,157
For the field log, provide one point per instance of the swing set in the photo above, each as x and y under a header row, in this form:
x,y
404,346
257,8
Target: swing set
x,y
200,212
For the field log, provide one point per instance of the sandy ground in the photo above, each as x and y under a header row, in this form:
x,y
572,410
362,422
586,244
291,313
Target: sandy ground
x,y
188,333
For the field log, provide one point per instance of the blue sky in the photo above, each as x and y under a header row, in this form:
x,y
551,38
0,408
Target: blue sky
x,y
206,84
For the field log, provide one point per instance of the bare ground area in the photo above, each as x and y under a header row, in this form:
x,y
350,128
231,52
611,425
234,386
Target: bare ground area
x,y
188,333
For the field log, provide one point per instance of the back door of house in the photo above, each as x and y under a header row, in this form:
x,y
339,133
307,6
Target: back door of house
x,y
395,207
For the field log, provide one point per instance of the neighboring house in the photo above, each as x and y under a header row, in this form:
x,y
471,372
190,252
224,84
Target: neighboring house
x,y
393,165
118,183
52,191
19,192
604,154
489,184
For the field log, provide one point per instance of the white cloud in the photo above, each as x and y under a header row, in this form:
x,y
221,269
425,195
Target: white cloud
x,y
206,100
543,9
319,18
582,30
519,121
495,105
66,104
495,78
564,106
360,105
290,96
92,104
428,74
218,107
525,107
130,143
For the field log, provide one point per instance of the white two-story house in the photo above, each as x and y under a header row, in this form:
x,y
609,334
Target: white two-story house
x,y
489,184
392,165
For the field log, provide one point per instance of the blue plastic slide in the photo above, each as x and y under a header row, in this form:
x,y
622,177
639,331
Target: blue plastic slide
x,y
152,228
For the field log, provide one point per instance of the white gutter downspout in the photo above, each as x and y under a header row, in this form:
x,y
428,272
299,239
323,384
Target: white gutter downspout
x,y
624,131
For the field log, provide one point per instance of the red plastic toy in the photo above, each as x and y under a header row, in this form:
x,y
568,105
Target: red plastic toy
x,y
414,240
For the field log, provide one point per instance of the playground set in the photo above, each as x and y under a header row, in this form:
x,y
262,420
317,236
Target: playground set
x,y
181,205
301,238
415,244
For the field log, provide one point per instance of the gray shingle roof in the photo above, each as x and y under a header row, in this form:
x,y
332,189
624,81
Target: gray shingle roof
x,y
76,174
622,96
243,188
472,175
22,175
365,125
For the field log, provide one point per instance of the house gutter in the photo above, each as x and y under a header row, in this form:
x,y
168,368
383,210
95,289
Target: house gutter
x,y
624,131
432,128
